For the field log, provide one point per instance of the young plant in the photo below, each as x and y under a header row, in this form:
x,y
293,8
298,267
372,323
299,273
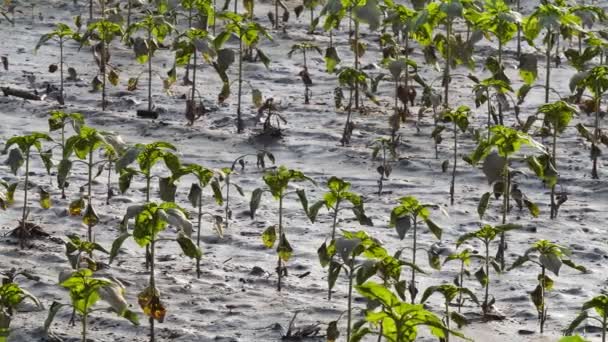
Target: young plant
x,y
552,18
16,158
551,257
204,178
444,12
407,215
277,182
225,176
155,28
248,34
303,48
188,45
493,88
599,304
352,79
450,293
464,257
596,82
58,121
486,234
102,33
334,200
85,291
151,219
350,247
459,117
385,169
62,33
502,22
11,296
84,145
398,319
75,247
507,141
557,116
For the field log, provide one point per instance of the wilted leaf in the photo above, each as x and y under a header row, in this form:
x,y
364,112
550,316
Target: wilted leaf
x,y
269,236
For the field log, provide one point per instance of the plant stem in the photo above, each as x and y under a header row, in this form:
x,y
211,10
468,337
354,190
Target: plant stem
x,y
89,185
487,285
489,112
347,124
447,64
500,118
356,62
109,180
554,162
518,32
149,70
24,213
276,14
596,135
194,79
548,60
505,209
62,185
350,299
84,327
452,186
447,320
335,222
604,326
461,275
239,121
148,178
61,68
542,313
198,233
227,208
152,286
413,283
90,9
128,13
279,264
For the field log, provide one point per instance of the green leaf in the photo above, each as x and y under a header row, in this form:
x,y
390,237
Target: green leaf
x,y
482,277
269,236
90,217
194,194
46,160
434,228
483,204
532,208
402,225
15,160
576,322
45,198
53,310
284,248
188,247
254,204
551,261
332,59
314,210
333,273
116,245
528,68
571,264
167,189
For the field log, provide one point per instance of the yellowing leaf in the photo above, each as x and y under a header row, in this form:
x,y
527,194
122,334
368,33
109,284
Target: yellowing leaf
x,y
149,301
76,207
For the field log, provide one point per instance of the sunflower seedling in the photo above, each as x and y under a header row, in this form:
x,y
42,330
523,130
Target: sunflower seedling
x,y
450,293
277,182
599,304
550,257
16,159
486,234
408,214
11,296
58,121
85,291
151,219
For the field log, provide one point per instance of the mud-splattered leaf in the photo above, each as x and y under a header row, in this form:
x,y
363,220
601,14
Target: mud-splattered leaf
x,y
149,301
15,160
269,236
90,217
284,248
45,198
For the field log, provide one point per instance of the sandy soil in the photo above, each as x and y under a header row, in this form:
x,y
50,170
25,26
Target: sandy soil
x,y
230,304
